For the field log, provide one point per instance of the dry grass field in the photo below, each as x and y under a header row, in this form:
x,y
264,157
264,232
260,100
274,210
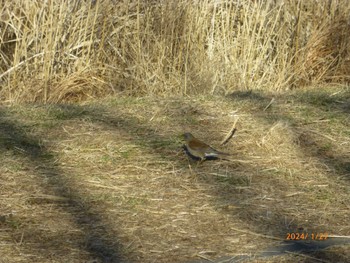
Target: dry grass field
x,y
94,98
108,179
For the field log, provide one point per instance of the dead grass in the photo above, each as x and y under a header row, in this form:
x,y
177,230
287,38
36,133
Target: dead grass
x,y
54,51
108,179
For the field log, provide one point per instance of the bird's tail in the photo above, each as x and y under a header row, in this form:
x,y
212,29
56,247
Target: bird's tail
x,y
223,153
216,155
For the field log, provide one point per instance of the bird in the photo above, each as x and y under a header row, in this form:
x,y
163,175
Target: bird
x,y
199,150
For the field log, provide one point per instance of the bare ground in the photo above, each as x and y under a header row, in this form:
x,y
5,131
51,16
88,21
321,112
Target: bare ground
x,y
107,181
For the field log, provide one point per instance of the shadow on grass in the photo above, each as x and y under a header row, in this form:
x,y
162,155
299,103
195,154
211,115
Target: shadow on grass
x,y
13,138
340,105
314,251
338,163
338,101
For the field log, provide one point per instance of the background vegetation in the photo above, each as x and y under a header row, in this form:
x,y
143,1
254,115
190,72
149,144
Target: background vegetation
x,y
68,50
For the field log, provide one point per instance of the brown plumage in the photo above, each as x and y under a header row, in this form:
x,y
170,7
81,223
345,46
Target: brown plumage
x,y
199,150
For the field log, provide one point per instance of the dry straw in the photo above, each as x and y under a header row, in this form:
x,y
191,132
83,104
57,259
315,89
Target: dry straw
x,y
71,50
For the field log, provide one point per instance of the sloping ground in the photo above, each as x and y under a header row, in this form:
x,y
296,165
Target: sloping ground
x,y
108,182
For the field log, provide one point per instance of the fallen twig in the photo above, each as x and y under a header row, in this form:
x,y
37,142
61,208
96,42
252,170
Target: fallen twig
x,y
231,132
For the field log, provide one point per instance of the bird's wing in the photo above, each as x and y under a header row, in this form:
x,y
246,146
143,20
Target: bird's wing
x,y
190,153
198,145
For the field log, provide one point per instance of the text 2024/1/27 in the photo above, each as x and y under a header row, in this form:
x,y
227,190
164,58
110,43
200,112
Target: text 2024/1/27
x,y
307,236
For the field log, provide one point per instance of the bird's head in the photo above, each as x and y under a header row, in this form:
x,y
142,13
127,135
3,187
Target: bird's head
x,y
187,136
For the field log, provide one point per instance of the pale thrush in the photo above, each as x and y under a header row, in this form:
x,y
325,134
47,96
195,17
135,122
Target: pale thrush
x,y
199,150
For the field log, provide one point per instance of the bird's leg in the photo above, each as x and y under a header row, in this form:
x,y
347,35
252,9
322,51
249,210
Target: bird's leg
x,y
190,166
200,162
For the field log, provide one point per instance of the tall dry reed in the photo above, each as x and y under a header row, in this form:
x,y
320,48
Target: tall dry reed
x,y
71,50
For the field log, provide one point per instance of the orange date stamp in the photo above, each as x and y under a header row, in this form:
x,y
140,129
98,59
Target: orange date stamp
x,y
307,236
